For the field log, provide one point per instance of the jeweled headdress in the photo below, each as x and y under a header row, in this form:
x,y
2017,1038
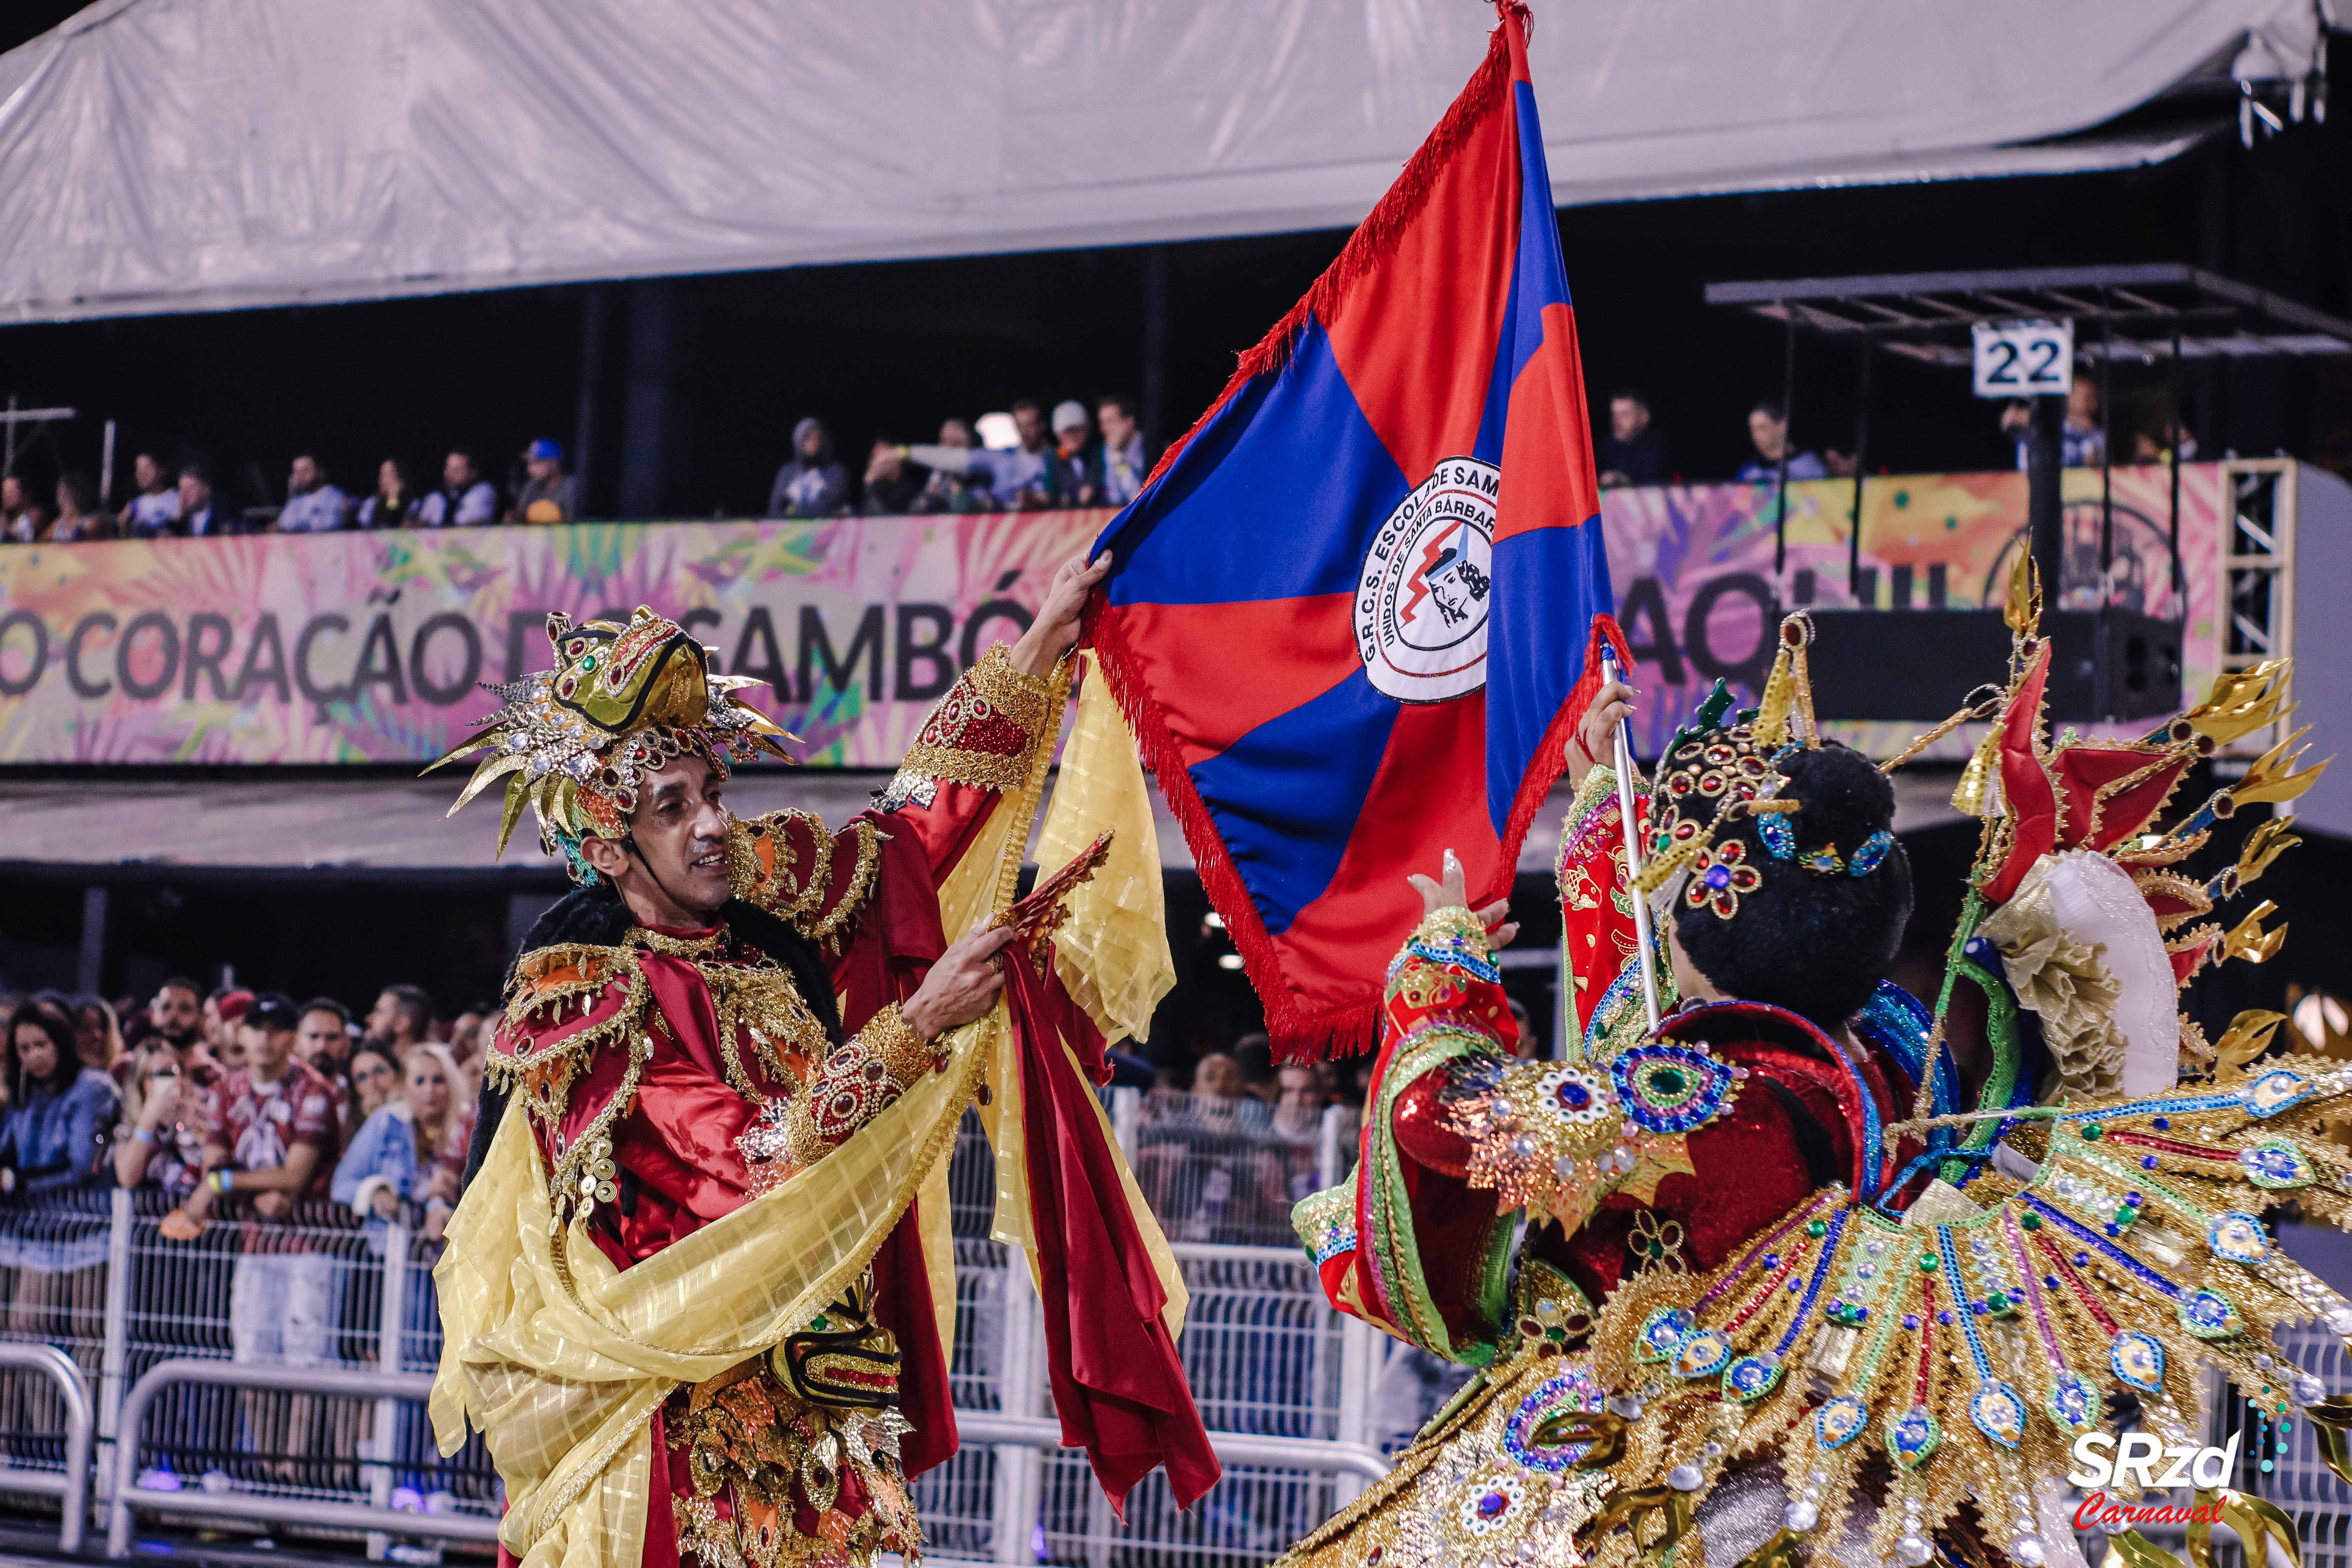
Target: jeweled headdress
x,y
622,700
1714,776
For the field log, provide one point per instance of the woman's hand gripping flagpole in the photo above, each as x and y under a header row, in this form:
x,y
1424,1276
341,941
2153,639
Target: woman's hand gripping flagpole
x,y
1613,695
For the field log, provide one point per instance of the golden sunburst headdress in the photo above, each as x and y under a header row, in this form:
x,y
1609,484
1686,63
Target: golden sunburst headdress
x,y
621,702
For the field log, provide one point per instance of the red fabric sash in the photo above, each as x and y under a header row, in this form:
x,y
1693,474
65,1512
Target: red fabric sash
x,y
1116,1382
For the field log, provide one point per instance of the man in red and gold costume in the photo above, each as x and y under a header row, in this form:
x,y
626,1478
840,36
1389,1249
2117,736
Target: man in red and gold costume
x,y
699,1290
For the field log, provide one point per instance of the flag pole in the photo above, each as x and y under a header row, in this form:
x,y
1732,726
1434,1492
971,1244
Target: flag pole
x,y
1623,760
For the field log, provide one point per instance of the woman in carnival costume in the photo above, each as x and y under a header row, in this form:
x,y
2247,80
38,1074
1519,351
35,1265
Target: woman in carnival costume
x,y
699,1288
1781,1293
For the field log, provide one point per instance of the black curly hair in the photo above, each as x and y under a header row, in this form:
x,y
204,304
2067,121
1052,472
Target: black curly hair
x,y
1814,943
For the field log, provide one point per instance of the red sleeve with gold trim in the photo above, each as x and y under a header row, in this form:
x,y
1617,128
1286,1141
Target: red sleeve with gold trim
x,y
1596,900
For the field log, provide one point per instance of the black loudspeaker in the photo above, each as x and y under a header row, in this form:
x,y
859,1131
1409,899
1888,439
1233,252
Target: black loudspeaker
x,y
1921,665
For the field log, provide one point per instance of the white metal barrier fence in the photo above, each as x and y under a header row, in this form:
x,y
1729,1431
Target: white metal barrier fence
x,y
268,1375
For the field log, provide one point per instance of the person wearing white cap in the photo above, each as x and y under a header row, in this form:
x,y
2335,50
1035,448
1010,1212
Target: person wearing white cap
x,y
1078,462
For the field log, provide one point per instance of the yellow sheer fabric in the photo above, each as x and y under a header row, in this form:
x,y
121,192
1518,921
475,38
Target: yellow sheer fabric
x,y
562,1382
1112,952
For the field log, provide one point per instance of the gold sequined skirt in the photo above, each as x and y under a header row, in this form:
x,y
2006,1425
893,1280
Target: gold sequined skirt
x,y
1490,1477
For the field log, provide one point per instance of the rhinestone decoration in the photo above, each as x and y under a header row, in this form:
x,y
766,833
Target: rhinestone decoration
x,y
2275,1166
1999,1413
1702,1354
1840,1421
1912,1437
2280,1089
1573,1392
1670,1088
2074,1404
2137,1360
2208,1315
2238,1238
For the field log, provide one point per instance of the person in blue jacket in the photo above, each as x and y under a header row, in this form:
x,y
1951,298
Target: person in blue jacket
x,y
54,1170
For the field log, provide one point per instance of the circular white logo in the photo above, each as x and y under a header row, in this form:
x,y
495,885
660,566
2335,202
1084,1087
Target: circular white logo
x,y
1421,607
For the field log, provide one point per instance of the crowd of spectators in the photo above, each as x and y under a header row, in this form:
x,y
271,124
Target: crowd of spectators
x,y
269,1146
1080,457
1026,458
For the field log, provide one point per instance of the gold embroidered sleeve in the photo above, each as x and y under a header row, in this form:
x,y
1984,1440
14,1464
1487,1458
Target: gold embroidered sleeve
x,y
858,1079
791,865
980,734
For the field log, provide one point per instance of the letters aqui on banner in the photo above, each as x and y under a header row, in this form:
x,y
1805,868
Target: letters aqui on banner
x,y
1353,615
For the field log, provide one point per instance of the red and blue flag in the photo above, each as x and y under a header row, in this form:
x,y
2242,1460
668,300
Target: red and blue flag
x,y
1357,609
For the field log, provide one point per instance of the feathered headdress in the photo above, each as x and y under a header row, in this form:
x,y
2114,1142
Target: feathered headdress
x,y
2082,906
622,700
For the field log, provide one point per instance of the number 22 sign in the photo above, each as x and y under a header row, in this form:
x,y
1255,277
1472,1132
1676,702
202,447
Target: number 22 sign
x,y
2024,359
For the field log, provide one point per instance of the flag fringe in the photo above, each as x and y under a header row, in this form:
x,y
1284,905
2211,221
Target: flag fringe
x,y
1375,237
1297,1034
1551,752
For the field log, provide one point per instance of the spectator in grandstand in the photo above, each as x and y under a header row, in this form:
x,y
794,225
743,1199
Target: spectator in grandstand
x,y
548,493
402,1018
323,1038
155,509
177,1013
464,499
955,490
1078,462
2151,446
2082,436
1254,1055
891,490
78,514
813,483
394,503
59,1112
1767,431
1302,1089
98,1038
379,1169
374,1075
469,1035
21,522
166,1107
202,511
312,505
443,1118
272,1135
1020,479
1125,465
53,1148
224,1020
1634,450
1219,1077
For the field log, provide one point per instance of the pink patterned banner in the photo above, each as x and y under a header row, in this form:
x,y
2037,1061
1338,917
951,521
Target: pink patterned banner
x,y
367,648
1693,569
359,648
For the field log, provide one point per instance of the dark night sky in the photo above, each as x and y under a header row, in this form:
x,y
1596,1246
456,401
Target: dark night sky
x,y
889,349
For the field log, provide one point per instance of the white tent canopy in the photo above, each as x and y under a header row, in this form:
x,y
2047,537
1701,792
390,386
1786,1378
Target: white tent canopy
x,y
165,155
